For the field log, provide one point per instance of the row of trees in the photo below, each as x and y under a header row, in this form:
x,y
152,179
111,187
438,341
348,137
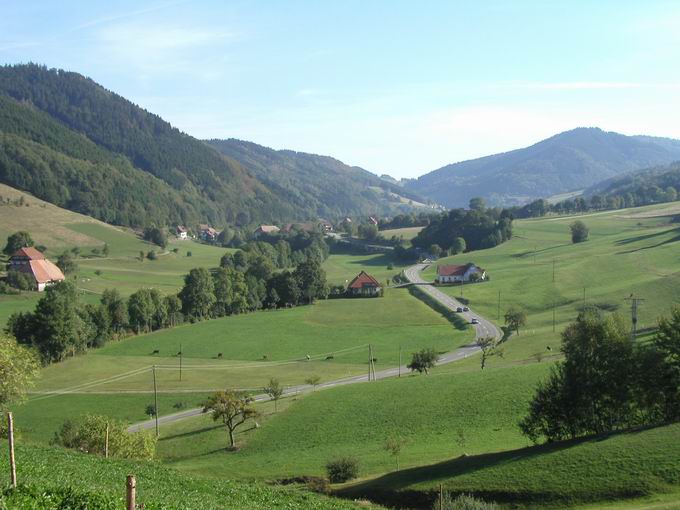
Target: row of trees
x,y
607,382
61,325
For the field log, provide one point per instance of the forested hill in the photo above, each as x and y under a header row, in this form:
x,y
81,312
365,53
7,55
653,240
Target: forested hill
x,y
321,183
655,185
569,161
70,141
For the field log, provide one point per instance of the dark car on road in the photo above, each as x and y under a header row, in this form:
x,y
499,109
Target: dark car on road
x,y
475,320
466,309
459,309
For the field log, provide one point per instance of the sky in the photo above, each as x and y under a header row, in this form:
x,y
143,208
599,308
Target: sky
x,y
400,88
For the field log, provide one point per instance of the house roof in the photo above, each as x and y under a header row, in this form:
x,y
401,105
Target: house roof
x,y
268,229
29,253
362,280
43,271
453,270
182,228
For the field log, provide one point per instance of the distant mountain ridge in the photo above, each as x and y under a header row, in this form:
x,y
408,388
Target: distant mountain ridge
x,y
565,162
328,186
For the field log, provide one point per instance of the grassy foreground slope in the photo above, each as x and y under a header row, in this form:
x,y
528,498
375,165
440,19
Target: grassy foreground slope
x,y
620,466
157,487
430,413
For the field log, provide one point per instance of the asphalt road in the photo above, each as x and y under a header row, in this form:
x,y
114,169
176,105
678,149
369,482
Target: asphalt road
x,y
484,329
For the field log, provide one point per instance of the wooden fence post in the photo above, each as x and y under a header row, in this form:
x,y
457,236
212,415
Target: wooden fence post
x,y
441,497
106,443
131,486
12,461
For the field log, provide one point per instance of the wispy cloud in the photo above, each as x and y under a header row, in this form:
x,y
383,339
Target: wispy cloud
x,y
130,14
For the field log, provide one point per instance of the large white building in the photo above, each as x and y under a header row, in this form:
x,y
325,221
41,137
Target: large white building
x,y
459,273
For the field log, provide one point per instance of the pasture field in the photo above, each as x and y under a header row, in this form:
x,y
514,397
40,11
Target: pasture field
x,y
46,472
429,413
340,328
624,256
616,468
407,233
340,269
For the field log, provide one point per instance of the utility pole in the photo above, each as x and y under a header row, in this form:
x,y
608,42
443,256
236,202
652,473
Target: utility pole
x,y
634,303
180,362
499,306
12,460
553,270
155,399
399,361
553,315
535,254
584,297
370,360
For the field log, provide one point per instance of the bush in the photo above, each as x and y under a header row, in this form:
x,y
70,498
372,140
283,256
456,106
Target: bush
x,y
6,289
462,502
342,470
151,255
88,434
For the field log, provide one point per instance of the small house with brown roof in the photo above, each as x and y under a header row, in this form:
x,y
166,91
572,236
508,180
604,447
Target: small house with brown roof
x,y
364,285
30,261
452,273
182,232
207,233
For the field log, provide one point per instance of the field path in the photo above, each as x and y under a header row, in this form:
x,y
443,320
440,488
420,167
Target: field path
x,y
485,328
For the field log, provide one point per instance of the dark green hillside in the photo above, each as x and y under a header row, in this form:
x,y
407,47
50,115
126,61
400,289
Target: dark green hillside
x,y
322,184
565,162
56,164
150,143
650,186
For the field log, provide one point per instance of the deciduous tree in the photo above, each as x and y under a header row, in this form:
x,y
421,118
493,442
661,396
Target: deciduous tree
x,y
232,409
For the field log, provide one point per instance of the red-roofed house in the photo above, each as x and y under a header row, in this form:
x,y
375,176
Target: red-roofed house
x,y
32,262
207,233
182,232
364,285
459,273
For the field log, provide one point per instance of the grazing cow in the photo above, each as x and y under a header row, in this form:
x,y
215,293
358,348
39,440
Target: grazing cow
x,y
308,357
219,355
549,348
264,357
330,357
374,360
156,351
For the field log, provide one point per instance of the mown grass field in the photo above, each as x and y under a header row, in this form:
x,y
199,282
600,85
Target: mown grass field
x,y
339,328
624,256
619,467
407,233
428,412
158,487
340,269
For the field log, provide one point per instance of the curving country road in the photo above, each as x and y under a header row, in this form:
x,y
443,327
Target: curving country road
x,y
485,328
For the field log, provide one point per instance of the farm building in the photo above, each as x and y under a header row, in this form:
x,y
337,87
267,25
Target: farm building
x,y
32,262
364,285
459,273
266,229
208,233
182,232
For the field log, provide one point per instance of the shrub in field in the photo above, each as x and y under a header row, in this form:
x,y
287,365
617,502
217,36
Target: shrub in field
x,y
342,470
462,502
88,434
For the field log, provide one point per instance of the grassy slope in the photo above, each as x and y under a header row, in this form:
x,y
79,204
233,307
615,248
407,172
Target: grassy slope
x,y
428,412
407,233
284,336
621,466
157,487
623,256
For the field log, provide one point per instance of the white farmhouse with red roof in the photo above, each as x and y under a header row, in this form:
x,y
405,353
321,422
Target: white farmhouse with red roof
x,y
364,285
30,261
451,273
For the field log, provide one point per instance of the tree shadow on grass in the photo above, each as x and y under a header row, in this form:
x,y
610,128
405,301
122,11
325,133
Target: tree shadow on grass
x,y
647,237
395,489
191,433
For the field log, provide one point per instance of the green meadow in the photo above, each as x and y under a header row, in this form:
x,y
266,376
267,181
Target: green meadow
x,y
625,255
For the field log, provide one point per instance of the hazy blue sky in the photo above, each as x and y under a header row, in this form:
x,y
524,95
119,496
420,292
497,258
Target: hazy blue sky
x,y
395,87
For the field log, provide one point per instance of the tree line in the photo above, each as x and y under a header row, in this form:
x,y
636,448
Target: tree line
x,y
607,382
61,325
